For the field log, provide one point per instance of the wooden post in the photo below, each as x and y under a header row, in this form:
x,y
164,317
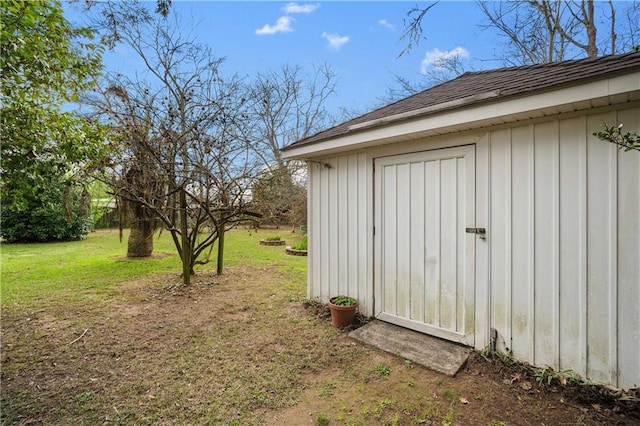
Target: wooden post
x,y
221,231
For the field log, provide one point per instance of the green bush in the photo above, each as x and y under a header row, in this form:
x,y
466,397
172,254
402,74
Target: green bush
x,y
42,219
302,245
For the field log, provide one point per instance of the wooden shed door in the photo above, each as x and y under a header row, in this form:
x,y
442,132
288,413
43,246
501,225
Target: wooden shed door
x,y
424,261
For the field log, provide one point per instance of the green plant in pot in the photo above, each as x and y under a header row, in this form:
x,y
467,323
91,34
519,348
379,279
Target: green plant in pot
x,y
343,310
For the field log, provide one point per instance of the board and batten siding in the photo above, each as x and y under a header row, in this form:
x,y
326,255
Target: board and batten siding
x,y
564,237
558,276
340,224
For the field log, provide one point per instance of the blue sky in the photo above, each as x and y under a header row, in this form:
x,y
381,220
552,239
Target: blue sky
x,y
359,39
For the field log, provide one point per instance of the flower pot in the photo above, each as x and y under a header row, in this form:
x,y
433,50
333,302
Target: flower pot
x,y
342,316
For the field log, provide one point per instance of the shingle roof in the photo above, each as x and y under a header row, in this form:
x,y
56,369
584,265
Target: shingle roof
x,y
473,88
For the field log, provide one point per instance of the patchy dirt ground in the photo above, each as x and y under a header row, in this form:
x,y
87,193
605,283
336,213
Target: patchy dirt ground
x,y
242,349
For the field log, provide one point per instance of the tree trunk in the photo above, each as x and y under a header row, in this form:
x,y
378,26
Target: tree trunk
x,y
590,24
187,252
613,34
140,243
142,227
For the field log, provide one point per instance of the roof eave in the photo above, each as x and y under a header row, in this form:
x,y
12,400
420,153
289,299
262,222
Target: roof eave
x,y
477,115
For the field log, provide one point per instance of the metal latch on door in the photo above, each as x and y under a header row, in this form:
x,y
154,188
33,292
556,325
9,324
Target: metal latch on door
x,y
482,232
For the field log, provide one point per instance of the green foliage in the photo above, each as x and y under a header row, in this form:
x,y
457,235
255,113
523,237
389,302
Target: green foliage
x,y
382,370
327,389
627,141
486,353
84,397
365,411
102,215
46,64
273,238
544,375
343,300
44,218
322,419
302,245
506,357
382,406
448,395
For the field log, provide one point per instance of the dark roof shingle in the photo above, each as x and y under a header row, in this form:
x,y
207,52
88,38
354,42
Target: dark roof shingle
x,y
486,86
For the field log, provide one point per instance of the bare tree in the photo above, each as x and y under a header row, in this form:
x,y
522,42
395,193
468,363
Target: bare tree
x,y
183,126
280,195
403,87
542,31
286,105
112,16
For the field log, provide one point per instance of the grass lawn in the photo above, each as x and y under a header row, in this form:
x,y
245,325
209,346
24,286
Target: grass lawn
x,y
71,269
91,338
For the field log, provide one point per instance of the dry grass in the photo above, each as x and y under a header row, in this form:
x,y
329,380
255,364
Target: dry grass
x,y
239,349
224,350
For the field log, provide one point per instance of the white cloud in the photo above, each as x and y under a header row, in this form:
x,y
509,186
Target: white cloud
x,y
436,58
300,8
335,40
283,25
386,24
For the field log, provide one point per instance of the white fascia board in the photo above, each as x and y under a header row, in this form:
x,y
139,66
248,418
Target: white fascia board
x,y
473,115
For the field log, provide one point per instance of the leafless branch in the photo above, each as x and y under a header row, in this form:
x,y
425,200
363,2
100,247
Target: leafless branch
x,y
413,30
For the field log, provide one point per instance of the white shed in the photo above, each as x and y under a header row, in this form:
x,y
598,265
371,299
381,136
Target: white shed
x,y
486,203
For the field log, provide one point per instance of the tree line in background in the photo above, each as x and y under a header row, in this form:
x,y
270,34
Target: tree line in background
x,y
532,32
187,148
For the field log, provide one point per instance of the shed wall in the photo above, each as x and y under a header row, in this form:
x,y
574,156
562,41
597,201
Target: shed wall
x,y
340,226
564,237
562,261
